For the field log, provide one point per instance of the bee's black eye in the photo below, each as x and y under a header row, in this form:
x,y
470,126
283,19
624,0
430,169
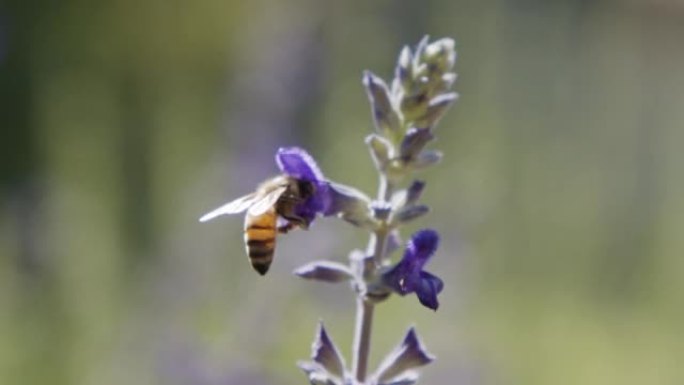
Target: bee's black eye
x,y
306,188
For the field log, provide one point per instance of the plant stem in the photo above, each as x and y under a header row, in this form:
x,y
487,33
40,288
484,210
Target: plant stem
x,y
362,333
386,189
365,308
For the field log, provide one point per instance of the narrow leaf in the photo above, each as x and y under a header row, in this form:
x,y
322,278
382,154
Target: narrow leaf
x,y
426,159
402,72
409,378
408,355
316,374
326,271
420,50
409,213
414,191
324,352
381,150
384,116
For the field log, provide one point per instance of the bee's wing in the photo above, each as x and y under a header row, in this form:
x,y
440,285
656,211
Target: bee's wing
x,y
267,201
237,206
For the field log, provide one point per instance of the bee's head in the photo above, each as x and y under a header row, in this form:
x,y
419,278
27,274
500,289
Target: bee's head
x,y
305,189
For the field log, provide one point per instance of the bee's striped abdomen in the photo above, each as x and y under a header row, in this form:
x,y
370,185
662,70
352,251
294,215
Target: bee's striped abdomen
x,y
260,234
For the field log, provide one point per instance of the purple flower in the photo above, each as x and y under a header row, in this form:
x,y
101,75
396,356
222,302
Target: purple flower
x,y
408,276
297,163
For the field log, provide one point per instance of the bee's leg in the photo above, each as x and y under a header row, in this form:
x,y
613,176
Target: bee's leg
x,y
299,221
284,229
296,220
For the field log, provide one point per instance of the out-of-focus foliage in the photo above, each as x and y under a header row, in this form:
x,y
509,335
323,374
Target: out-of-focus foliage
x,y
560,196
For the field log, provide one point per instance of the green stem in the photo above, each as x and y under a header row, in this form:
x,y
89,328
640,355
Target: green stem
x,y
362,334
365,308
386,189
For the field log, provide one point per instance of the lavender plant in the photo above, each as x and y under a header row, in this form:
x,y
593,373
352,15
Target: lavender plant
x,y
405,114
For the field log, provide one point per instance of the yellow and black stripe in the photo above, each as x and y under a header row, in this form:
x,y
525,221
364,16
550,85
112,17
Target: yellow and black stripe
x,y
260,236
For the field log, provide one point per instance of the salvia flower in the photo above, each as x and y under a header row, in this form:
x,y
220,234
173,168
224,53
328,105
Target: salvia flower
x,y
328,198
297,163
408,276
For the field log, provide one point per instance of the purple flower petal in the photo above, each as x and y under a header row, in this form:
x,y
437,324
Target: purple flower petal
x,y
296,162
422,245
322,199
430,286
408,276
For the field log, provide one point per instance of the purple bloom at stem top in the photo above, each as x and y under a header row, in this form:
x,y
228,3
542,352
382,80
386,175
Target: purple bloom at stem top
x,y
297,163
408,276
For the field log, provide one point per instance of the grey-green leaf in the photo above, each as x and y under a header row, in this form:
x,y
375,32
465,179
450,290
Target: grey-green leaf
x,y
426,159
316,374
409,213
409,378
409,355
326,271
325,353
381,150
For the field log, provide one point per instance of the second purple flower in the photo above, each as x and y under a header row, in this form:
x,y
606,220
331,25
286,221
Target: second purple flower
x,y
408,276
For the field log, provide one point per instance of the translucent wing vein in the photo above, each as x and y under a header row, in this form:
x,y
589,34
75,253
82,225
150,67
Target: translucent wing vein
x,y
237,206
267,202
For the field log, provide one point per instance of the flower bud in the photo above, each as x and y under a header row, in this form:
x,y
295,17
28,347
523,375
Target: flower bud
x,y
403,72
445,82
414,141
414,105
435,109
408,196
441,53
381,150
381,210
420,51
384,116
426,159
414,191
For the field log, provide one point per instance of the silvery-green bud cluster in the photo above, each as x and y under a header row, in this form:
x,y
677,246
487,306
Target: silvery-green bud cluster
x,y
406,113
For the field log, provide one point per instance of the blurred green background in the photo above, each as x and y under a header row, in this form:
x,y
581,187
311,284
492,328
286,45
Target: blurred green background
x,y
559,200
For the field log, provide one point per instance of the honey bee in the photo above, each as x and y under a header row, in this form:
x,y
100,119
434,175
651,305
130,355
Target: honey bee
x,y
275,198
